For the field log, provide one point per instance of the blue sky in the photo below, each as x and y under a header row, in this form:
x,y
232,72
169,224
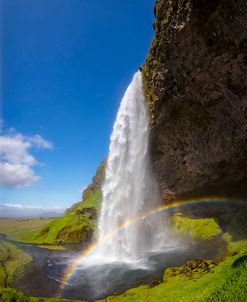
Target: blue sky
x,y
65,67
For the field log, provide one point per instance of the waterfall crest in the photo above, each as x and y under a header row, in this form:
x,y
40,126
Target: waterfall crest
x,y
129,189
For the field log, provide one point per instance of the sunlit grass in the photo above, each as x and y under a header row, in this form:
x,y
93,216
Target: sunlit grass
x,y
200,228
52,247
17,229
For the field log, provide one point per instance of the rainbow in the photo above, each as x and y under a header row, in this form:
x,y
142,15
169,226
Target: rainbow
x,y
164,207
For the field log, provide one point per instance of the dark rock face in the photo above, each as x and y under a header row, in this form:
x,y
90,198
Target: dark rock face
x,y
195,80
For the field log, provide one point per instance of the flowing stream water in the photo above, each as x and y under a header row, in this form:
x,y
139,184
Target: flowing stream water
x,y
130,189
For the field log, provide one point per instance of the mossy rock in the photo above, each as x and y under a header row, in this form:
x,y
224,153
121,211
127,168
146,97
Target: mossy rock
x,y
74,234
193,269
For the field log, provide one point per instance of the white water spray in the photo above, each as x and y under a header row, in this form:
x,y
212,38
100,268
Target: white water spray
x,y
129,189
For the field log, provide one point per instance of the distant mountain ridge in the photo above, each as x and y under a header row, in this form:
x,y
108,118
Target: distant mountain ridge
x,y
20,211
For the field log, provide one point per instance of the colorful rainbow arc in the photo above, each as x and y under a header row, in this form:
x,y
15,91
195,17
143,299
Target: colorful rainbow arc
x,y
167,206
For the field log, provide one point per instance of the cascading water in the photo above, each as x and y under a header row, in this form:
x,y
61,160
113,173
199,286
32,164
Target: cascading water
x,y
129,189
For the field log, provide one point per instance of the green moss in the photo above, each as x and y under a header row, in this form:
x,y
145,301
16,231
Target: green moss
x,y
93,201
12,263
148,84
193,269
168,13
203,229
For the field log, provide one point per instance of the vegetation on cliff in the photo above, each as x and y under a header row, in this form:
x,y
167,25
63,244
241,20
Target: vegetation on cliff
x,y
77,225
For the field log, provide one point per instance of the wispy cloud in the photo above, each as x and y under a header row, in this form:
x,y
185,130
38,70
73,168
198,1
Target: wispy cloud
x,y
20,210
23,207
39,142
16,162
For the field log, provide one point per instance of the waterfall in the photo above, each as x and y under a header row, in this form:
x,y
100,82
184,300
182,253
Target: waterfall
x,y
129,189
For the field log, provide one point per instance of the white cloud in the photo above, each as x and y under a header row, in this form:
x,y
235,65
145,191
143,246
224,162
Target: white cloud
x,y
16,162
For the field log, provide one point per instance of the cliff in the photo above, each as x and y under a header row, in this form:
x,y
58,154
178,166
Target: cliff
x,y
97,181
196,88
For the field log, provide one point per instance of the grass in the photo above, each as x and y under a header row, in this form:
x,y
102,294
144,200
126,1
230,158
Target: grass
x,y
13,295
71,228
12,263
202,229
78,224
93,201
19,229
52,247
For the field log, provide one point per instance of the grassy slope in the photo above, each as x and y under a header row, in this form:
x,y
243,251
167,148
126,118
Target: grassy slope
x,y
72,227
77,225
92,201
12,263
16,229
